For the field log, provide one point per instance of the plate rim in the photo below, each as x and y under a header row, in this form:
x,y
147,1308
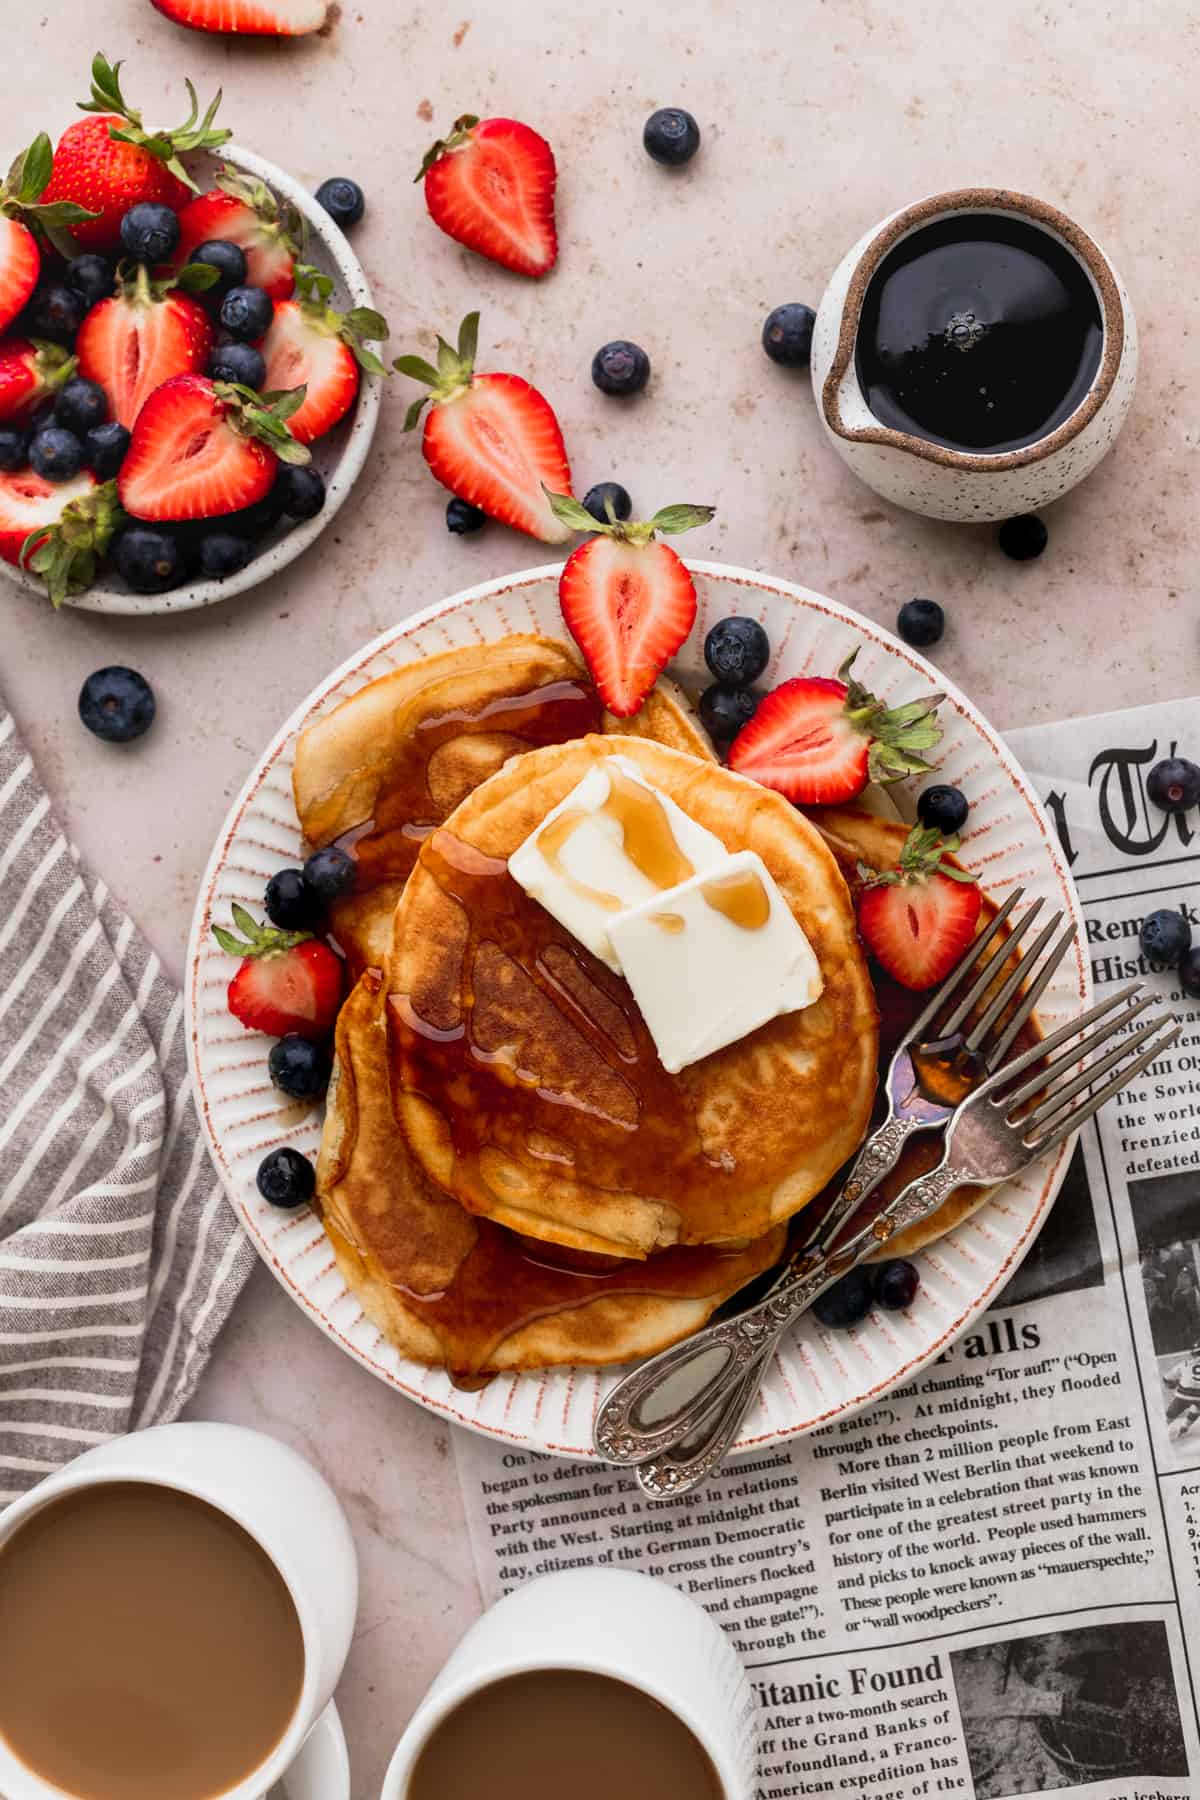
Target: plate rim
x,y
360,424
803,599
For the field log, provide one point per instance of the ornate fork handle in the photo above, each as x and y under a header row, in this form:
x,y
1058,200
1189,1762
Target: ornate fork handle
x,y
662,1474
685,1377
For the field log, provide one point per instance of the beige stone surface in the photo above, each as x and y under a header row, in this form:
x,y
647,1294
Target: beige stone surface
x,y
818,119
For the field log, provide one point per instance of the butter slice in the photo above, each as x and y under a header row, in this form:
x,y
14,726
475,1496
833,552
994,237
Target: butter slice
x,y
707,981
592,861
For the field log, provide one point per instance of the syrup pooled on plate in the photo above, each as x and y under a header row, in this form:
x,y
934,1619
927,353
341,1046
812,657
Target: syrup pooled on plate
x,y
981,333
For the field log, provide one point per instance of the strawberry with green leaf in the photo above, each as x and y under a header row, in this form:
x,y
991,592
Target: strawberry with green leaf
x,y
30,370
627,599
819,740
66,548
110,161
310,345
918,918
244,211
146,333
287,981
204,448
26,216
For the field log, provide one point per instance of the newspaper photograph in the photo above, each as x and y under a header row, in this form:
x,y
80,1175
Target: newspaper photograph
x,y
985,1585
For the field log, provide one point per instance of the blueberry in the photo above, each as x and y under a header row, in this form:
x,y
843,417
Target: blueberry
x,y
238,362
787,334
671,136
847,1301
81,404
222,553
246,312
342,199
149,232
737,650
1189,973
724,710
1165,937
253,521
303,490
14,448
330,873
302,1069
55,453
1174,785
462,517
92,277
290,902
229,260
896,1285
920,622
117,704
149,558
597,499
943,808
105,447
620,368
1024,537
286,1178
56,312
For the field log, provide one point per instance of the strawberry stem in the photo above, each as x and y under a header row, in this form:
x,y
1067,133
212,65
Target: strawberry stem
x,y
279,220
898,734
66,555
453,375
921,856
668,519
351,327
458,135
265,417
167,146
19,193
256,939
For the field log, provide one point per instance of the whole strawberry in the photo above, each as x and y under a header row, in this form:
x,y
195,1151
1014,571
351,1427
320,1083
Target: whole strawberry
x,y
490,185
628,601
918,918
819,739
111,161
310,345
287,981
26,221
491,439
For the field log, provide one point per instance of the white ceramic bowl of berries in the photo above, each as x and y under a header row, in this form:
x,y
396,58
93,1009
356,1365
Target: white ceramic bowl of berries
x,y
200,442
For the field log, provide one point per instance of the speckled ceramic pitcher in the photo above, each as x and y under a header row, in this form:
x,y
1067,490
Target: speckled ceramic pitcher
x,y
931,478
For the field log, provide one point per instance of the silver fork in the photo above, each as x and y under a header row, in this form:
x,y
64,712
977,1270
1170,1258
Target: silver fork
x,y
995,1133
624,1431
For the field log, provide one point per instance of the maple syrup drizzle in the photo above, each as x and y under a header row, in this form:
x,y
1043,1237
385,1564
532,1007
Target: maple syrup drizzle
x,y
668,921
553,839
740,898
646,834
630,1124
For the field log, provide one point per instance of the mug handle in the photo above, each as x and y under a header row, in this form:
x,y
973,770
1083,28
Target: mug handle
x,y
321,1770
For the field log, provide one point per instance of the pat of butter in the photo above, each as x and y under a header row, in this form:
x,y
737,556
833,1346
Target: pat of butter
x,y
614,842
714,958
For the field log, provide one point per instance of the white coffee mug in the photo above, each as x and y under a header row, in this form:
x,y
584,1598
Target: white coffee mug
x,y
294,1516
605,1622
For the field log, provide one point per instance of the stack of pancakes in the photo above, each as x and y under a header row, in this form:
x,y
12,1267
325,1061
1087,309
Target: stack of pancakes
x,y
508,1176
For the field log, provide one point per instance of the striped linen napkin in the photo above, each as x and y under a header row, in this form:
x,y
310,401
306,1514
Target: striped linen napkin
x,y
119,1257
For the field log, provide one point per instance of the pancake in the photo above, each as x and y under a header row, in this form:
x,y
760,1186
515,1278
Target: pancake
x,y
393,761
463,1293
525,1080
855,836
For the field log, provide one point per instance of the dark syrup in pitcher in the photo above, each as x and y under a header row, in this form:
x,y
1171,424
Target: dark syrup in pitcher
x,y
981,333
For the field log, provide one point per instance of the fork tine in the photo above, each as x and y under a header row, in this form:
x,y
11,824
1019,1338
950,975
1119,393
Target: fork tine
x,y
1070,1058
990,972
1062,1036
1043,1116
957,975
1075,1119
1036,989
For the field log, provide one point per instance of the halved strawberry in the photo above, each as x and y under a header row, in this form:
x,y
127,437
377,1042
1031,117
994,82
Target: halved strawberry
x,y
819,741
628,601
244,211
287,980
491,439
23,219
310,345
148,332
27,503
918,918
66,544
248,18
109,162
201,448
490,185
29,370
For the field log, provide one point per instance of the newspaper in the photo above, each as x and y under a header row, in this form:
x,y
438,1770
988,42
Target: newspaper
x,y
989,1584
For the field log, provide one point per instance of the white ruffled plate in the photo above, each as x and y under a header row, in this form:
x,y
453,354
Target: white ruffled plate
x,y
818,1375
